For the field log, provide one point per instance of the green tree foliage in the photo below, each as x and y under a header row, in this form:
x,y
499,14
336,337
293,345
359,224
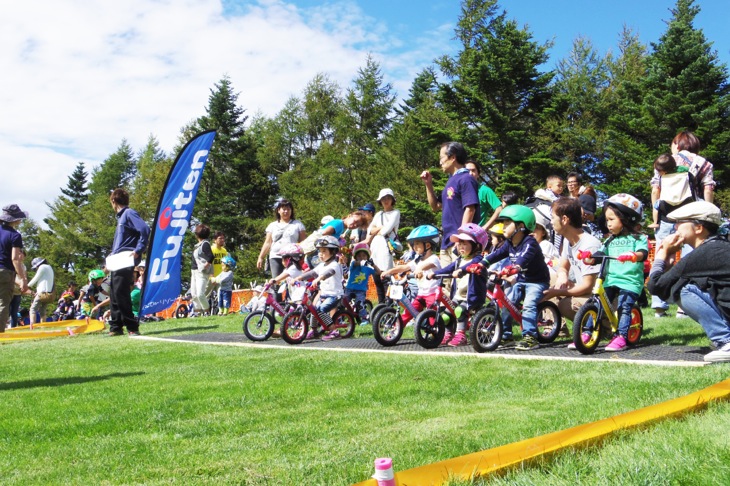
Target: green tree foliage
x,y
76,189
153,167
495,93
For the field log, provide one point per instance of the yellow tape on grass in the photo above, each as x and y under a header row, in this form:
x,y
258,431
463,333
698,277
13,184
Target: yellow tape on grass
x,y
493,460
52,329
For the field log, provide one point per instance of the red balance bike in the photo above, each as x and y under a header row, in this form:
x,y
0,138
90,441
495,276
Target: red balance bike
x,y
259,325
303,315
487,326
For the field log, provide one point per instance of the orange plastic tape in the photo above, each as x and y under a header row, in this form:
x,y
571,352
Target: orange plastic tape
x,y
52,329
492,460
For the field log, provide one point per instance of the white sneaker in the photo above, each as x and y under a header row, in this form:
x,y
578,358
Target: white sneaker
x,y
722,355
660,314
681,315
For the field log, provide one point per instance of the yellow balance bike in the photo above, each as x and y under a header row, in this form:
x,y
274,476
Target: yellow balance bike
x,y
599,310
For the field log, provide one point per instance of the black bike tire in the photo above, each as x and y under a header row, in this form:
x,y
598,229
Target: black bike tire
x,y
251,317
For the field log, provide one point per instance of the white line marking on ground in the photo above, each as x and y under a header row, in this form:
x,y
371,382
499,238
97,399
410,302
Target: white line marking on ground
x,y
611,359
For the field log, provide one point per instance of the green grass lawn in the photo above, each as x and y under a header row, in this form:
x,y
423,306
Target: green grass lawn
x,y
98,410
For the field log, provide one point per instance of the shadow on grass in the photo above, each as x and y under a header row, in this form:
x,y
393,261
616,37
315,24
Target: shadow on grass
x,y
72,380
181,329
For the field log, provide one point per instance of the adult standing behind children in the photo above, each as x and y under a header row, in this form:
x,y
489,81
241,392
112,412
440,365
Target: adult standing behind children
x,y
700,281
567,220
489,203
279,234
11,258
219,251
383,228
684,148
132,234
43,282
201,269
458,202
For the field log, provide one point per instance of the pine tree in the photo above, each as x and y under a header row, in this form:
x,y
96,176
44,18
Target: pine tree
x,y
76,187
495,93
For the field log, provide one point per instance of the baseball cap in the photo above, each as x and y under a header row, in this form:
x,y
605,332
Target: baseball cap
x,y
367,207
588,203
697,211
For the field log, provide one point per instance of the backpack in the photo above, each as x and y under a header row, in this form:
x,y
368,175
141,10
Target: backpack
x,y
677,188
698,167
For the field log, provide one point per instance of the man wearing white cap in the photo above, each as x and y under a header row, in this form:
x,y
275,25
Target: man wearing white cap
x,y
11,258
700,281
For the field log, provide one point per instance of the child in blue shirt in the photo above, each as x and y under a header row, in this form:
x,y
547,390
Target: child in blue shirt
x,y
528,263
361,268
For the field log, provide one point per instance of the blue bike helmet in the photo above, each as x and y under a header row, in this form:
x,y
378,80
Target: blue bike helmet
x,y
426,233
229,262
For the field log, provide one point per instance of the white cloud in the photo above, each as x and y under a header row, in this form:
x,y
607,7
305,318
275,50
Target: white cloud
x,y
78,76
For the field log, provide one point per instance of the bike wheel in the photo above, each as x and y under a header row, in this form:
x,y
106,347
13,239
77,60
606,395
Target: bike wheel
x,y
294,327
376,309
181,312
486,330
549,321
258,326
586,322
344,323
429,329
637,325
387,327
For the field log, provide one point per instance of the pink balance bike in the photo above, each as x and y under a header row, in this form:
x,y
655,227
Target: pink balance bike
x,y
487,326
387,322
430,325
303,315
259,325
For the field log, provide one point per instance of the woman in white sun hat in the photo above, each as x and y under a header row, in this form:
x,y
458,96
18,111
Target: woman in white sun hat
x,y
384,227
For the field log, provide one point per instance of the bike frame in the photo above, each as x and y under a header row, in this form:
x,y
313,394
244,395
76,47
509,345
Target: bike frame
x,y
271,302
599,294
309,309
501,301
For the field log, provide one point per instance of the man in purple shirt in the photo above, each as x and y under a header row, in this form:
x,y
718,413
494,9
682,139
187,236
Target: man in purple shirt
x,y
458,202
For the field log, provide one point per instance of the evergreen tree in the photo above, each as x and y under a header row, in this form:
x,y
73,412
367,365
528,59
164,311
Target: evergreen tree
x,y
153,167
76,187
495,93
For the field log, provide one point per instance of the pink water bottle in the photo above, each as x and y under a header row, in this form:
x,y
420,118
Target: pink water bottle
x,y
384,472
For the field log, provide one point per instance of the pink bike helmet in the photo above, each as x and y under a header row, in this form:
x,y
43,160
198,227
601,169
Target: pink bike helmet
x,y
362,246
291,250
471,232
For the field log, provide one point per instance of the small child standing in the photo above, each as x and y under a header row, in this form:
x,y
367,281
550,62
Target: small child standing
x,y
361,268
329,273
525,254
424,240
225,282
470,290
625,277
89,302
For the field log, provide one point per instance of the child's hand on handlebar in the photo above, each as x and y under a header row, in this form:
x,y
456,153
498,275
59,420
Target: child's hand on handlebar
x,y
475,268
510,270
629,256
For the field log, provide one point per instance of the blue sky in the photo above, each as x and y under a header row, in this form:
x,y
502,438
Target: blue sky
x,y
71,91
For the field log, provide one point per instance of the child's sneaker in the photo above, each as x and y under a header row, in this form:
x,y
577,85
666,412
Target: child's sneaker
x,y
364,322
459,339
722,355
528,343
312,334
618,343
331,336
681,314
447,338
508,341
585,337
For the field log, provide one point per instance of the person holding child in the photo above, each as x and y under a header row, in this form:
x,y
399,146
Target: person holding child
x,y
424,240
470,291
554,187
528,263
